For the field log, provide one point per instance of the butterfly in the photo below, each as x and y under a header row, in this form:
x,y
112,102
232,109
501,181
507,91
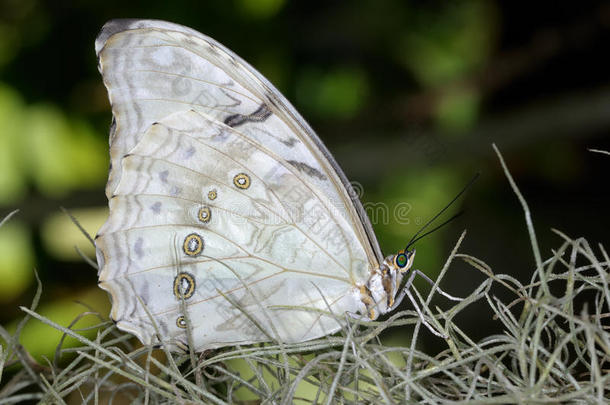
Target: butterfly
x,y
229,219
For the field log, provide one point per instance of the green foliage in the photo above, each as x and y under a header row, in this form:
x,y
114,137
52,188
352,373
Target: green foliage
x,y
12,181
16,260
444,50
260,9
449,43
72,244
338,93
66,153
458,110
40,145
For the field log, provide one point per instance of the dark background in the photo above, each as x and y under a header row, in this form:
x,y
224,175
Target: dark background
x,y
408,95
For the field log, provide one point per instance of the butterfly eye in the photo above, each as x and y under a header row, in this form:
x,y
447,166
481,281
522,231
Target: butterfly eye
x,y
401,260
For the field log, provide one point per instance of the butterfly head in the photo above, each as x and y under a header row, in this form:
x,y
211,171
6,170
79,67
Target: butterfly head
x,y
393,269
384,284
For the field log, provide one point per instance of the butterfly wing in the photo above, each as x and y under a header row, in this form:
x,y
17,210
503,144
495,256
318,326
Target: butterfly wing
x,y
223,200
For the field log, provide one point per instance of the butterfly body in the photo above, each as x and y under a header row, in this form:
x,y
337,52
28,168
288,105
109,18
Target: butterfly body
x,y
228,215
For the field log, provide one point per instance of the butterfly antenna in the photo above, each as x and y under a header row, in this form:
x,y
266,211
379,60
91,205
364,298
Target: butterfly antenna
x,y
417,236
413,241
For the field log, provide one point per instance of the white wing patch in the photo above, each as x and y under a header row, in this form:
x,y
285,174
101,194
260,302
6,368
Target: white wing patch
x,y
219,195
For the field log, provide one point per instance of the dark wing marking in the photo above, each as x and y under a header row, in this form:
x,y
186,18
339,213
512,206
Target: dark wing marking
x,y
261,114
308,170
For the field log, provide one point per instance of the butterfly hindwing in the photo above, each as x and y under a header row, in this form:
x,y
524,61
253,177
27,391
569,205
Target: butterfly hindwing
x,y
271,237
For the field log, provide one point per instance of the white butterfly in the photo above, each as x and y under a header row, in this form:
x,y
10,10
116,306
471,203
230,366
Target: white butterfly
x,y
228,215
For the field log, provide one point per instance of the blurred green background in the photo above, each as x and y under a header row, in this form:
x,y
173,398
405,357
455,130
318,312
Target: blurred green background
x,y
408,95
